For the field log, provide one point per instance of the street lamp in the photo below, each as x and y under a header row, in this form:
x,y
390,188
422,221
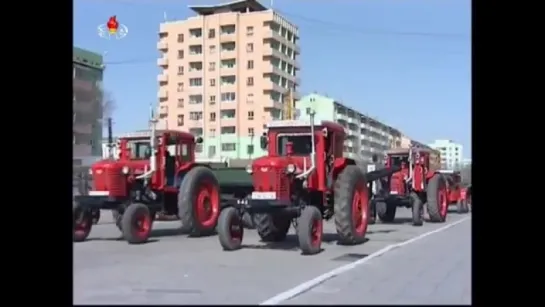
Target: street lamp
x,y
251,147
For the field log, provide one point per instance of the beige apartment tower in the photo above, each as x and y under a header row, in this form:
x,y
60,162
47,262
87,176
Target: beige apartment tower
x,y
225,74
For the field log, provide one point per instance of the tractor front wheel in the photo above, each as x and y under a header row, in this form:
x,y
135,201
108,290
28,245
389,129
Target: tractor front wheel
x,y
199,202
83,222
417,210
230,229
386,211
310,230
136,223
437,199
351,206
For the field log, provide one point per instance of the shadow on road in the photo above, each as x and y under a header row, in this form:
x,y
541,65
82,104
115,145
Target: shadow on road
x,y
291,242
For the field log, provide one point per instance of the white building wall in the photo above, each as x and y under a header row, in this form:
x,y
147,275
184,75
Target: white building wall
x,y
451,153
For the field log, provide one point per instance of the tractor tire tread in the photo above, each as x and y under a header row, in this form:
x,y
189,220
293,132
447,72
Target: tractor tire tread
x,y
345,186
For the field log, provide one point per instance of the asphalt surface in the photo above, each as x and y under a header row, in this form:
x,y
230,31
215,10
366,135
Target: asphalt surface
x,y
175,269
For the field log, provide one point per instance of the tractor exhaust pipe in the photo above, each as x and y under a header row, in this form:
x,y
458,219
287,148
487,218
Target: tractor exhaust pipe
x,y
306,173
110,139
153,144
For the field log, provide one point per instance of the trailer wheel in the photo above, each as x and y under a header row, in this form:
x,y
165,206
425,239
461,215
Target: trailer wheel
x,y
417,210
310,230
83,222
136,223
230,229
272,227
437,199
351,206
199,202
386,211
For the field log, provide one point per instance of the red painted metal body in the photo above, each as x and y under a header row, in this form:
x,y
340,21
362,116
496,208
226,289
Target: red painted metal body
x,y
269,171
453,187
108,175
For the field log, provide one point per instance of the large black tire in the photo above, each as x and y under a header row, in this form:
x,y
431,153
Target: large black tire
x,y
199,187
248,221
461,207
349,184
272,227
96,216
116,216
83,222
310,230
386,211
434,203
136,223
230,229
417,210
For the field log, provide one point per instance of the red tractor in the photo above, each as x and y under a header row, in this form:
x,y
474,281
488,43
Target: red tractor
x,y
455,196
418,183
155,172
304,179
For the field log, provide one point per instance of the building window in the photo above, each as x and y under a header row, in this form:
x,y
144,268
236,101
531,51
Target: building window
x,y
250,115
251,132
213,116
249,31
213,132
228,147
250,98
250,64
250,81
180,102
180,120
180,38
211,151
228,29
212,82
180,87
195,33
180,54
180,70
250,149
212,99
211,33
211,66
250,47
198,148
195,82
195,99
195,49
228,97
212,49
228,130
195,115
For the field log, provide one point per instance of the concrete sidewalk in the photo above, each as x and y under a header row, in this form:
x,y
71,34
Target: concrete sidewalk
x,y
433,270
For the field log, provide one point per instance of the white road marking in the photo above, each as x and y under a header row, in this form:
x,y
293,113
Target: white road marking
x,y
286,295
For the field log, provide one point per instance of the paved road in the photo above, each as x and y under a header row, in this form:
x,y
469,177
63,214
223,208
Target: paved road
x,y
175,269
434,270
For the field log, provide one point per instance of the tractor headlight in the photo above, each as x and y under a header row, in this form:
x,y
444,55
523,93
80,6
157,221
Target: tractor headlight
x,y
290,169
90,172
249,169
125,170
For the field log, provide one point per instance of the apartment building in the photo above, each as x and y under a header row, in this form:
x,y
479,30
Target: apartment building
x,y
451,153
366,136
224,75
87,76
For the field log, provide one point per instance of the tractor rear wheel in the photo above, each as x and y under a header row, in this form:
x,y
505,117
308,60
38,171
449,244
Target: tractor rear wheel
x,y
461,207
386,211
136,223
83,222
230,229
272,227
199,202
310,230
417,210
437,199
351,206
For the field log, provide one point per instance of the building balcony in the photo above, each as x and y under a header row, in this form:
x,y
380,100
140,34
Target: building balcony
x,y
271,69
271,52
162,94
162,45
162,78
228,37
163,110
271,86
162,62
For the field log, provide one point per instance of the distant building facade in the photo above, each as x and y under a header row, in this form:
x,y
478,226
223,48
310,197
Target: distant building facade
x,y
87,78
451,153
366,136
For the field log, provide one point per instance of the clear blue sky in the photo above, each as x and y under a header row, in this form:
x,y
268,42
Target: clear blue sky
x,y
408,63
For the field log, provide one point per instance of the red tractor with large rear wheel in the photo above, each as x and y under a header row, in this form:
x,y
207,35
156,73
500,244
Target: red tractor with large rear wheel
x,y
303,180
419,183
155,172
454,186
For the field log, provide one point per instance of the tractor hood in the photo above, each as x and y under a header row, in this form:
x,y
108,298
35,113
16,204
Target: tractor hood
x,y
262,164
136,167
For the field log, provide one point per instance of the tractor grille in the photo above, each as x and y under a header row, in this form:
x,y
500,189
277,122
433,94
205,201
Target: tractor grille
x,y
271,180
115,182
